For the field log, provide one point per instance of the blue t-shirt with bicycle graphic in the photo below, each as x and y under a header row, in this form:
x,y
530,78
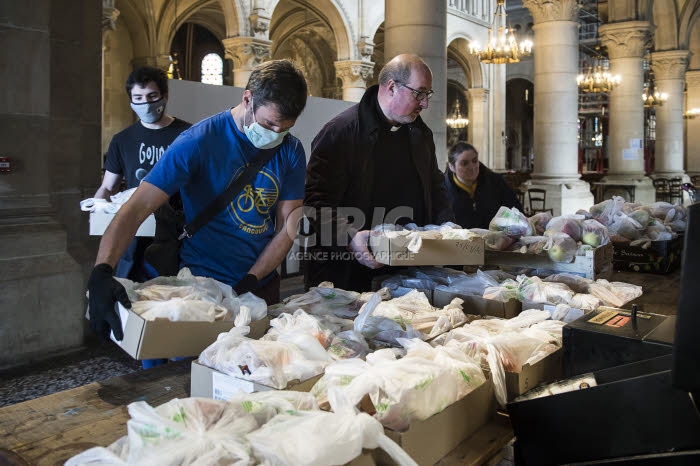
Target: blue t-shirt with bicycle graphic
x,y
201,163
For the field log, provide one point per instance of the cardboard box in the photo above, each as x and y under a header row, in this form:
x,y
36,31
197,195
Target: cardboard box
x,y
659,257
429,440
474,304
100,220
597,263
433,252
207,382
163,338
545,370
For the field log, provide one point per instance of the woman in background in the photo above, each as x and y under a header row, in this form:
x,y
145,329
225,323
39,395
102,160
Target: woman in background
x,y
476,193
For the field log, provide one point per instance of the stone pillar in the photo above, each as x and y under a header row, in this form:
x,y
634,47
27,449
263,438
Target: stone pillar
x,y
420,27
556,106
669,70
692,142
498,157
246,53
160,61
51,131
354,75
478,119
626,43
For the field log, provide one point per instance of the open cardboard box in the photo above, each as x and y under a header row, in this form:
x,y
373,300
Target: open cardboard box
x,y
545,370
430,440
474,304
100,220
433,252
163,338
207,382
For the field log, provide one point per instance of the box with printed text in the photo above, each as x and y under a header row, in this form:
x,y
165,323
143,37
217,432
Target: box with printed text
x,y
394,251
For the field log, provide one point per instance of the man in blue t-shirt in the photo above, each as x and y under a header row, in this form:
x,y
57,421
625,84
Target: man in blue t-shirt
x,y
244,243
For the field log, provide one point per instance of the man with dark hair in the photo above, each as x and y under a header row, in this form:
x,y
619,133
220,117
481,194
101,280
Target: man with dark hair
x,y
244,243
373,163
134,151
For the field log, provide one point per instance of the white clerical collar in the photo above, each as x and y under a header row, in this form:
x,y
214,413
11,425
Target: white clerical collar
x,y
395,128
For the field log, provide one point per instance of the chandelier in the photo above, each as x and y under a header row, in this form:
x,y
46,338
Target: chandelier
x,y
692,113
455,119
502,46
651,96
597,80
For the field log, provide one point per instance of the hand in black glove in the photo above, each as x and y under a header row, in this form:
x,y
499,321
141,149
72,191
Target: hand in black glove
x,y
104,291
247,283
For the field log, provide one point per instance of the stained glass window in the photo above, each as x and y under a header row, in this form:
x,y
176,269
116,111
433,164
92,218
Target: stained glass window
x,y
213,69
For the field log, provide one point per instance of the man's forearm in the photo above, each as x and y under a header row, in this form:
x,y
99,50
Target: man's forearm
x,y
272,256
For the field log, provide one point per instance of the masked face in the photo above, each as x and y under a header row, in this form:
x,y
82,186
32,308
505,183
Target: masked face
x,y
150,112
259,136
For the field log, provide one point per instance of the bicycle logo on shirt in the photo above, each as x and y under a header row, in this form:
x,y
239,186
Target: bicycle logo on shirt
x,y
257,198
250,210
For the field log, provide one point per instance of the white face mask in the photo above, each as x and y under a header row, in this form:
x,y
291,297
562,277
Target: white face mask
x,y
150,112
260,137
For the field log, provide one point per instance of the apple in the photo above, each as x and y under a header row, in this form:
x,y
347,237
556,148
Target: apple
x,y
592,239
557,253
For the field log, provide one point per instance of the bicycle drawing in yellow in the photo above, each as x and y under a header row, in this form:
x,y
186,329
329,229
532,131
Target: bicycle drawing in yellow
x,y
253,198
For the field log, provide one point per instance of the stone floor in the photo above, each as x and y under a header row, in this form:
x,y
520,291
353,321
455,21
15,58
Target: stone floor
x,y
101,360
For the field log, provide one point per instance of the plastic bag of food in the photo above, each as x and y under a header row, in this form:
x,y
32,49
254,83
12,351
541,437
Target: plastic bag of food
x,y
614,294
606,211
585,302
624,225
561,248
535,290
594,233
577,283
569,224
676,218
641,216
498,241
539,222
533,244
510,221
348,344
527,318
660,209
584,213
503,293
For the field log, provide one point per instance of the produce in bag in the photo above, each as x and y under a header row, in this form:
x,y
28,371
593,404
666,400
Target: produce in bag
x,y
594,233
561,247
535,290
511,221
539,222
569,224
498,241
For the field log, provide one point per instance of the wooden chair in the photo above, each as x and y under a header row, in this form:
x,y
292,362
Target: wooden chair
x,y
521,196
695,179
675,191
538,200
662,189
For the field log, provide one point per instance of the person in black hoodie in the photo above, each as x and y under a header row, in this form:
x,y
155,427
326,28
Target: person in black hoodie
x,y
476,193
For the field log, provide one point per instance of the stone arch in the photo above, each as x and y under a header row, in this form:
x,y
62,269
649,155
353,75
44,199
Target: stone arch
x,y
331,12
211,14
688,25
665,14
135,20
458,49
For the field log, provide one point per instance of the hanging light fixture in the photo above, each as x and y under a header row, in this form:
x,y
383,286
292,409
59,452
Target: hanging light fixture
x,y
692,113
455,119
597,80
651,96
502,47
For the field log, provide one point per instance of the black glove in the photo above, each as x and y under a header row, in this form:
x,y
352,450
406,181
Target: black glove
x,y
247,283
104,291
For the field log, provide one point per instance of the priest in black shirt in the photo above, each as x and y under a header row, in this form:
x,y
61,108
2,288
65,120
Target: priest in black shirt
x,y
374,163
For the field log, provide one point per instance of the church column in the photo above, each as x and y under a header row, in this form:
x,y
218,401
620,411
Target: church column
x,y
692,142
354,75
669,70
478,119
246,53
420,27
626,43
556,106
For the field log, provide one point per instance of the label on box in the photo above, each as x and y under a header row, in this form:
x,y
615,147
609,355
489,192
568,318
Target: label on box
x,y
225,387
603,317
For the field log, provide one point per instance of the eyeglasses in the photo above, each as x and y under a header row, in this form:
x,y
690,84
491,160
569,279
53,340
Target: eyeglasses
x,y
419,95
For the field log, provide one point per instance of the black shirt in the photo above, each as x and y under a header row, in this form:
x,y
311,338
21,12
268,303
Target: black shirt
x,y
396,180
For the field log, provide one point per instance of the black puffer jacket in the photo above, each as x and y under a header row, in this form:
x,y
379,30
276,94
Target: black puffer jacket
x,y
491,193
341,173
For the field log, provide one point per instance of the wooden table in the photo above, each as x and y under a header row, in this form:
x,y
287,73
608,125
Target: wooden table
x,y
51,429
54,428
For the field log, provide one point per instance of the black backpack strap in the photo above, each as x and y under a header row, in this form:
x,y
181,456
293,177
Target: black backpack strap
x,y
235,187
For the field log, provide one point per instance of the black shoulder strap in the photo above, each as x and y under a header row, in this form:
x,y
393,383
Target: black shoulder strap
x,y
235,187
